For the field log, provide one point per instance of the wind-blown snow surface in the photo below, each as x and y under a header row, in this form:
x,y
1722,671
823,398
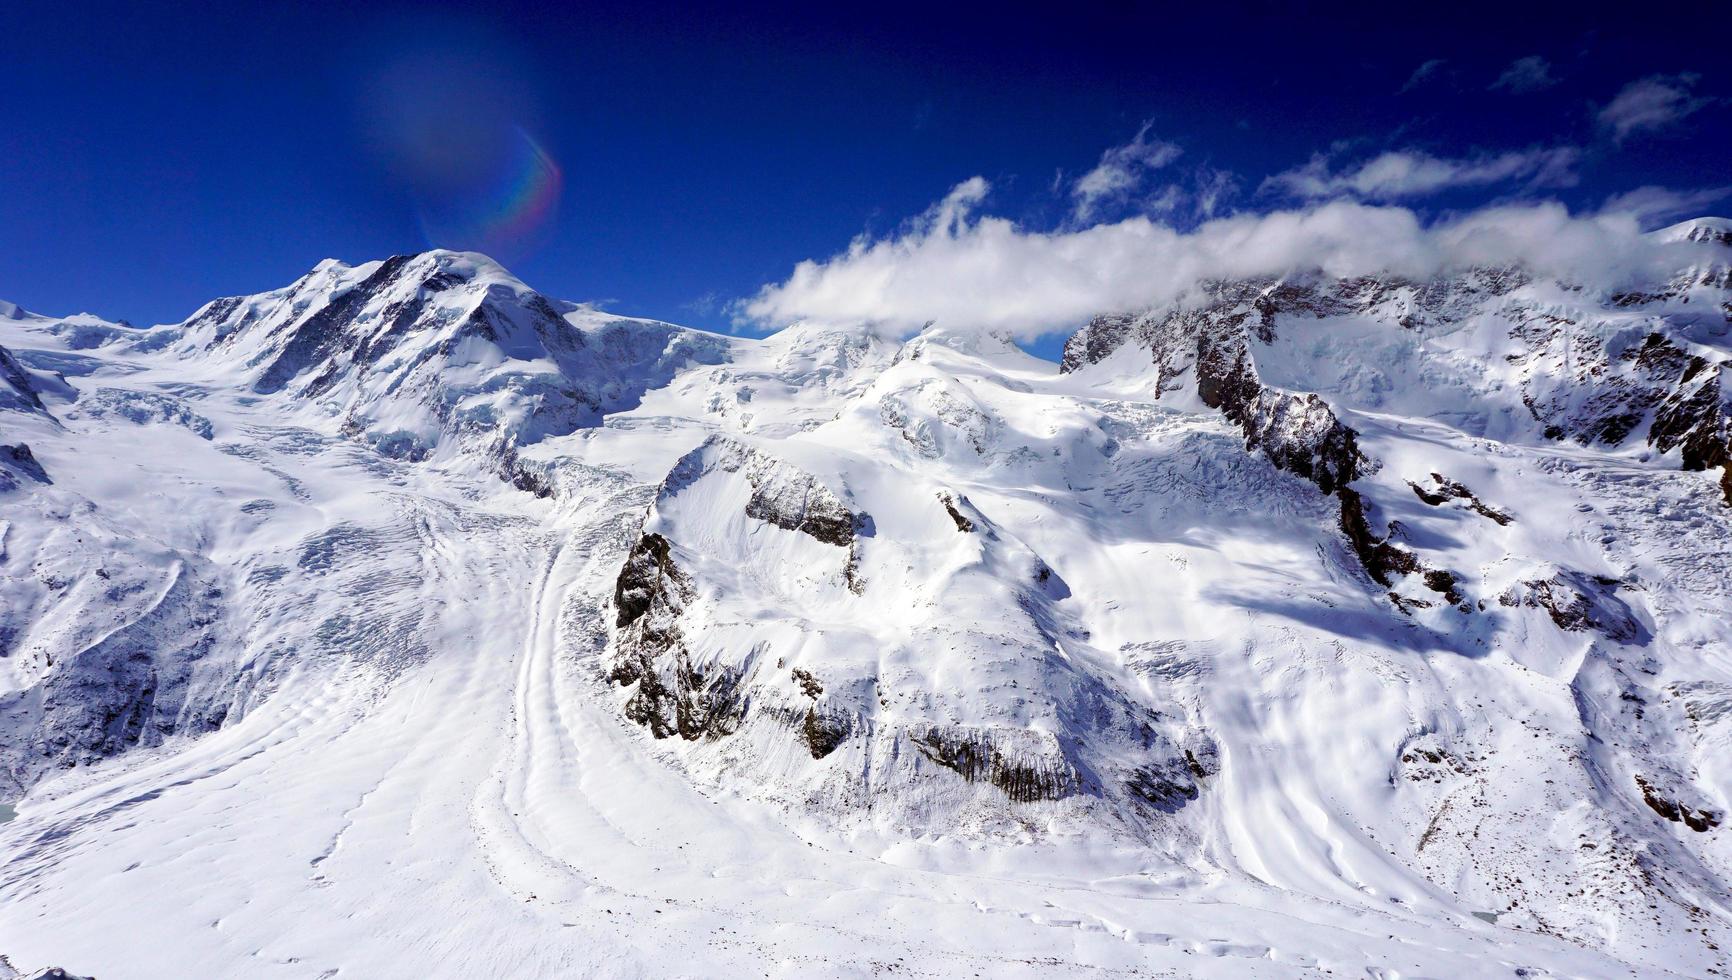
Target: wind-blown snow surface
x,y
404,622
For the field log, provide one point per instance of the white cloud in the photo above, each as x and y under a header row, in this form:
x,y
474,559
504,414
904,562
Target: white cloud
x,y
1425,71
977,271
1120,172
1167,201
1528,74
1658,205
1214,187
704,305
1409,173
1205,197
1651,103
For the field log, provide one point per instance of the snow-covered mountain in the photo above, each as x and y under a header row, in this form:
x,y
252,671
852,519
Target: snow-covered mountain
x,y
441,349
404,621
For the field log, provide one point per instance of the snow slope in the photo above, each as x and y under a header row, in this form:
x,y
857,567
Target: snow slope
x,y
405,622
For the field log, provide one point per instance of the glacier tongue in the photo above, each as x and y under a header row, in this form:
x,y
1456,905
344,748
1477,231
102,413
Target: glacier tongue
x,y
406,621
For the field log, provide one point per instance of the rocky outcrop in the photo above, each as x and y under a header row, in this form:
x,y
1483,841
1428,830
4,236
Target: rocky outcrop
x,y
957,517
1443,490
1025,767
824,733
16,391
821,729
1298,433
1699,820
802,505
1695,417
781,494
1250,307
17,461
649,579
1579,602
313,342
672,693
1583,371
1593,392
1167,788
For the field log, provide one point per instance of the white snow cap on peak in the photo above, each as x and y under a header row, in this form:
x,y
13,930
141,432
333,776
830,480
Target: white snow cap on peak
x,y
1703,229
466,265
460,265
966,340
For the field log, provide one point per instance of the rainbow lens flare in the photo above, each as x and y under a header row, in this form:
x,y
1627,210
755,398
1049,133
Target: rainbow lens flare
x,y
507,211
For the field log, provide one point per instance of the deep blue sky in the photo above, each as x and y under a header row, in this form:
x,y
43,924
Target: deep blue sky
x,y
155,156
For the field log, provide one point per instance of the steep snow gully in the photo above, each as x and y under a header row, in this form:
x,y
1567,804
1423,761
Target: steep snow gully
x,y
406,622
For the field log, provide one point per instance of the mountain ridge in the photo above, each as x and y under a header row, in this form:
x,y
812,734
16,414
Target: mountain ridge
x,y
1286,597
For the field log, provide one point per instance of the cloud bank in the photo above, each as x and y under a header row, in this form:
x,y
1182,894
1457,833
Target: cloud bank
x,y
964,269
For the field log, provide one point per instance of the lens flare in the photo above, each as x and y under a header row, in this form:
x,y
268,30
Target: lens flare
x,y
506,210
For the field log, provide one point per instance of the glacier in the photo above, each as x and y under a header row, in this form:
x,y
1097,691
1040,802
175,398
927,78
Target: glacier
x,y
404,621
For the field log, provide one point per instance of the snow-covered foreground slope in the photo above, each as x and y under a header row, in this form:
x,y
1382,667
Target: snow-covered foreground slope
x,y
404,622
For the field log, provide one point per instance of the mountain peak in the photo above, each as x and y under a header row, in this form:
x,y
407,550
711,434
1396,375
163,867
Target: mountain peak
x,y
1705,229
448,265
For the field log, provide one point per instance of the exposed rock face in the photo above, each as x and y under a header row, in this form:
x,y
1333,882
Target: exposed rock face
x,y
1444,490
1167,790
648,577
1612,393
1252,307
823,733
961,520
1298,433
1604,369
16,391
781,494
1605,387
1579,602
801,504
21,461
1699,820
1696,416
822,730
1023,768
672,697
673,694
